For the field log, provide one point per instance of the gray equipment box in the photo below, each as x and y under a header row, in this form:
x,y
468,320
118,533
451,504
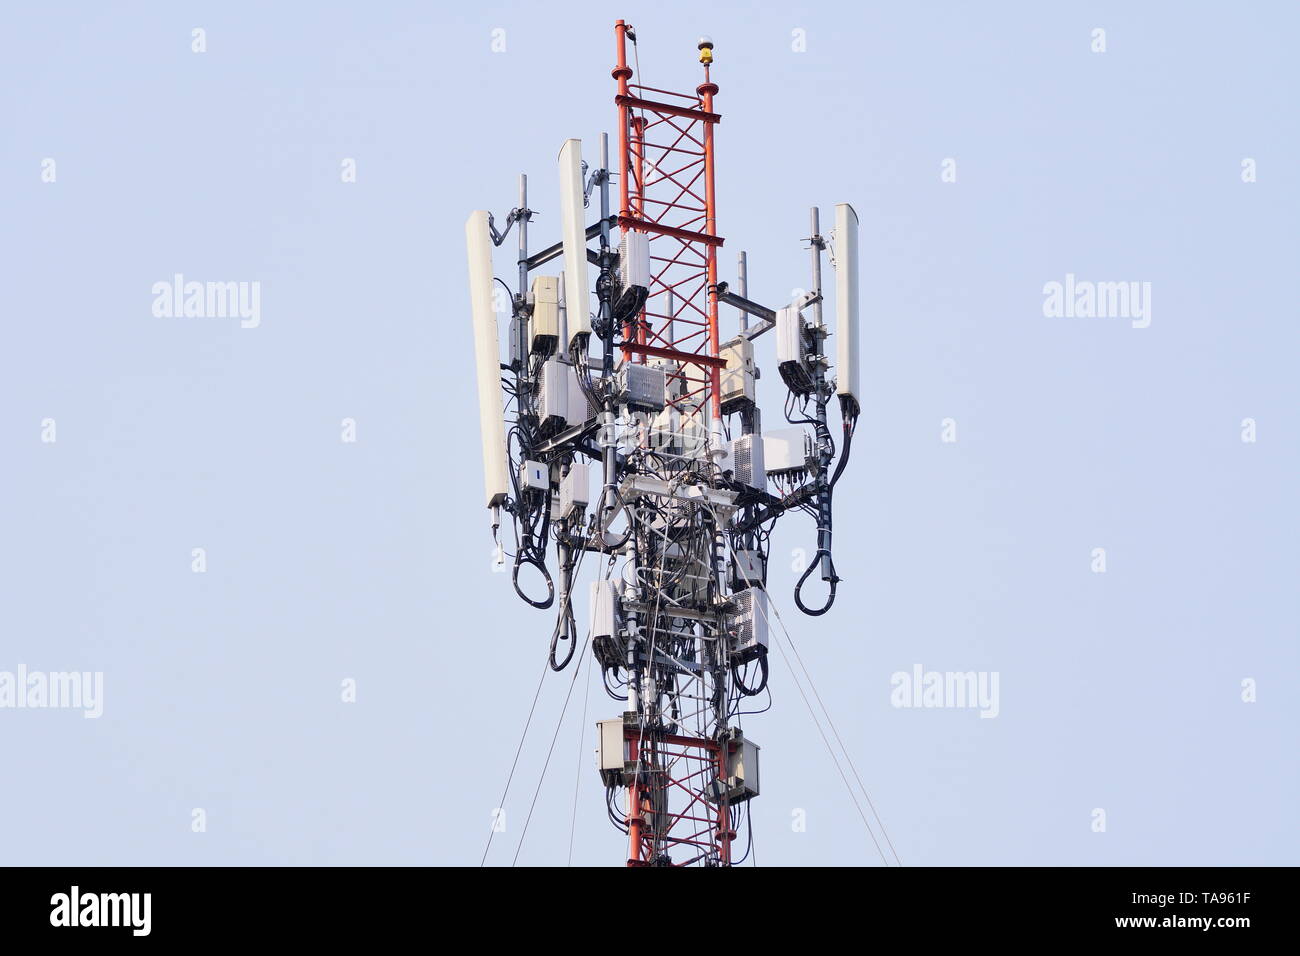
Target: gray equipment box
x,y
747,625
641,386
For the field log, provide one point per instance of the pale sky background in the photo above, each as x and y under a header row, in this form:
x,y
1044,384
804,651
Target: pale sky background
x,y
371,560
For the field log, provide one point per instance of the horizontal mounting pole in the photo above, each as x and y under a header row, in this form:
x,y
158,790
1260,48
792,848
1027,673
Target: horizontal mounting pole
x,y
636,102
726,296
776,507
645,225
574,433
555,251
678,740
672,610
695,358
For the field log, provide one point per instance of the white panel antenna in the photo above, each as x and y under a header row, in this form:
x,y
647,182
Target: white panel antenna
x,y
487,358
846,301
574,237
563,314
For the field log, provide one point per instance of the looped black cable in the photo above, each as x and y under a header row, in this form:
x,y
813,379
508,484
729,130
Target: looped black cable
x,y
567,626
798,588
540,565
850,426
610,691
762,669
627,535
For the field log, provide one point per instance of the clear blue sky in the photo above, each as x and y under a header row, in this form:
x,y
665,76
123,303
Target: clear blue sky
x,y
370,560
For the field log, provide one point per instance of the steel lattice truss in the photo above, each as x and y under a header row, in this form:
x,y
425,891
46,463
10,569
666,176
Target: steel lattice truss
x,y
674,811
666,157
684,509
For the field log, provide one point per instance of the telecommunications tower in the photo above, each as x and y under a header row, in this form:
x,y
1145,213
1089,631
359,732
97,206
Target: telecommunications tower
x,y
635,451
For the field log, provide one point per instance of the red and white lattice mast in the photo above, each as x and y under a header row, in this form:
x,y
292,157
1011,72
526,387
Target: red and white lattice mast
x,y
664,420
